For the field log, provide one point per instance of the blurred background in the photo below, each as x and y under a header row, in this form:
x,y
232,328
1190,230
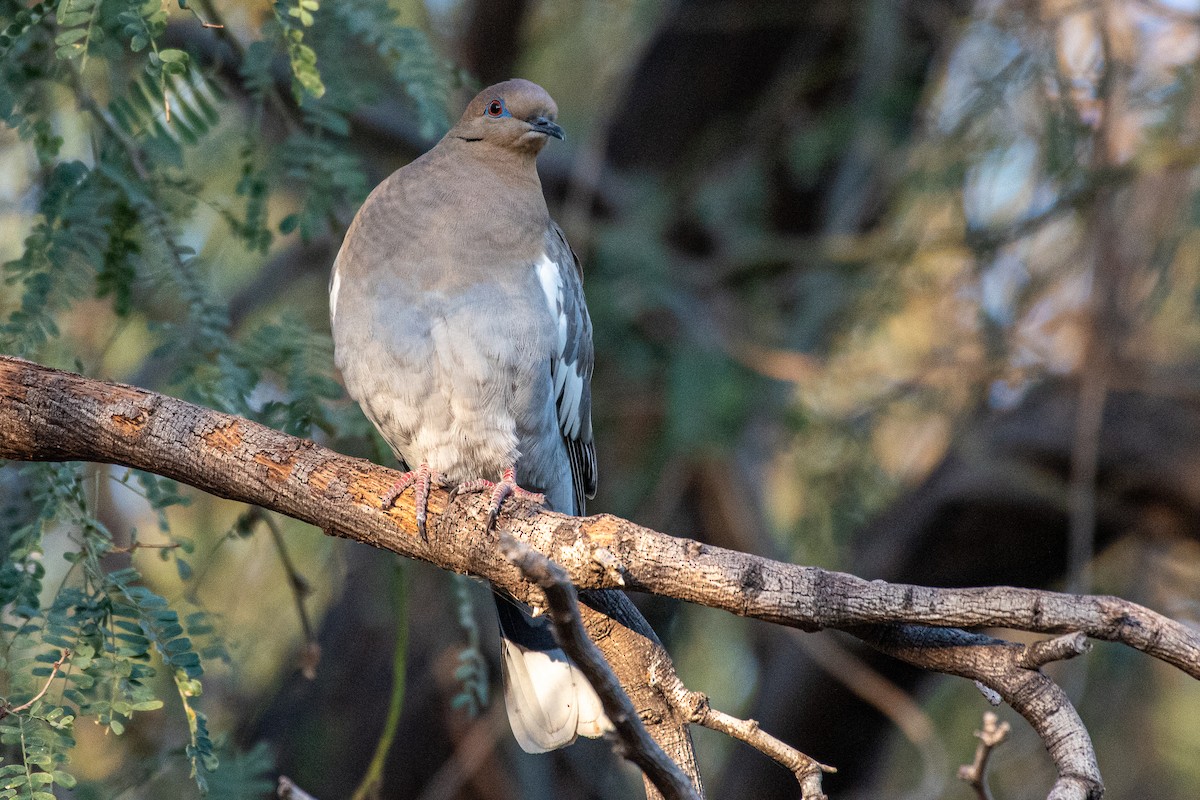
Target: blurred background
x,y
907,289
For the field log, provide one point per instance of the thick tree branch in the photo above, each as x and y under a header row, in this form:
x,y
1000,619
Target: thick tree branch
x,y
46,414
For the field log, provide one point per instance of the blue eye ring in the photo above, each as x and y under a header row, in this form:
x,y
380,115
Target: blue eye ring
x,y
495,108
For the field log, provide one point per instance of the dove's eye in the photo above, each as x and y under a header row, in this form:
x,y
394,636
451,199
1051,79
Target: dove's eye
x,y
495,108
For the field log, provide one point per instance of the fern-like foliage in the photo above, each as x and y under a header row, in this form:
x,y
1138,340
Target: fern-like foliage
x,y
243,775
78,26
106,625
409,56
142,112
43,737
126,220
66,248
294,17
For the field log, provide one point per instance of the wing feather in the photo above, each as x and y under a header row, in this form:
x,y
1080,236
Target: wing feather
x,y
571,365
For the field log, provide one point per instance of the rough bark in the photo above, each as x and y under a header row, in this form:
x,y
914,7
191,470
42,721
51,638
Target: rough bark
x,y
47,414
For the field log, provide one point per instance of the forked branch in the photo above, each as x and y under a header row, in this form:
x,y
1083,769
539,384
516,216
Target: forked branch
x,y
46,414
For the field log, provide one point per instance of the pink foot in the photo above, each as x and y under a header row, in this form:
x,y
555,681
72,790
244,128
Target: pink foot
x,y
420,480
507,487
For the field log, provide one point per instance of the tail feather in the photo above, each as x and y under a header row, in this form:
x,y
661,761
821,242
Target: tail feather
x,y
549,701
592,720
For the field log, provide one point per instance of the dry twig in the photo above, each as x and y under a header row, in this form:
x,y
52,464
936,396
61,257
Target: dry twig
x,y
807,770
993,733
562,604
301,589
6,710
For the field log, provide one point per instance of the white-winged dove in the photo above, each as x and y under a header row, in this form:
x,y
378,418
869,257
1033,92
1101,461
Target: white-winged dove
x,y
459,326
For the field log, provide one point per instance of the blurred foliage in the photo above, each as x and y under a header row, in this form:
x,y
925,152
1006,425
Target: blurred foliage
x,y
815,280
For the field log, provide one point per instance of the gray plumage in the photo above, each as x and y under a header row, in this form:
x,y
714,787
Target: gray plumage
x,y
443,325
460,327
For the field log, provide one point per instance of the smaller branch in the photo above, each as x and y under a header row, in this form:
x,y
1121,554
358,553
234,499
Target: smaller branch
x,y
301,589
5,711
289,114
989,694
807,770
997,669
142,546
290,791
563,610
993,734
204,23
132,149
471,754
1060,648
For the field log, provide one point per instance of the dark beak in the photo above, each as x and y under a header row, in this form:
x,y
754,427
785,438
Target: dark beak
x,y
543,125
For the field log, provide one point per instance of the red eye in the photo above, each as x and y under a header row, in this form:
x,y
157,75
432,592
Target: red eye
x,y
495,108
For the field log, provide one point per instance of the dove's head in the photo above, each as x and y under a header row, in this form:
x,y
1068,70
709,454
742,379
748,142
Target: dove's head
x,y
516,114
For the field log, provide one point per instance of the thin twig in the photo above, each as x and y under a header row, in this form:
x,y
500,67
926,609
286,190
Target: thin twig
x,y
203,22
143,546
975,774
301,589
471,754
6,710
133,150
563,610
808,771
288,114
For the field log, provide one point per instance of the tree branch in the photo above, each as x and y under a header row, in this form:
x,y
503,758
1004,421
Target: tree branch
x,y
563,608
807,770
50,415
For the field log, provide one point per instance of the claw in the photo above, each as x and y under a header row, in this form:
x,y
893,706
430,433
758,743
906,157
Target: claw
x,y
507,487
420,480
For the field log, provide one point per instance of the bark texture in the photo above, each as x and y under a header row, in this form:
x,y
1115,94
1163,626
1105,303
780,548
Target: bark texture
x,y
50,415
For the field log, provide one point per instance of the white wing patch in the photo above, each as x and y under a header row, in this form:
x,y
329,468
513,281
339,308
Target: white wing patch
x,y
568,383
335,284
551,280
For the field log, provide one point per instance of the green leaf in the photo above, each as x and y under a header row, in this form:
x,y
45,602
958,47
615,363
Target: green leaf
x,y
70,36
64,779
147,705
